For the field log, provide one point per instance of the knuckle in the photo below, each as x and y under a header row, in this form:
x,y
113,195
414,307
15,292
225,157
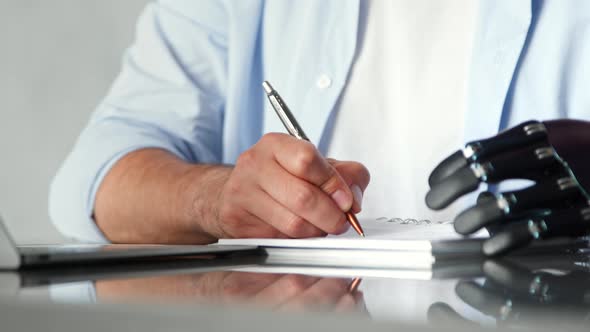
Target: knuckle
x,y
304,159
270,138
360,167
304,198
365,174
361,171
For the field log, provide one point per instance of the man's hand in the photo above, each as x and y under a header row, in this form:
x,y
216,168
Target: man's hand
x,y
283,187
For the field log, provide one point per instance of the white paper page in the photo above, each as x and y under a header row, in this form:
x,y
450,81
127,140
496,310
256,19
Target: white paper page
x,y
387,230
379,235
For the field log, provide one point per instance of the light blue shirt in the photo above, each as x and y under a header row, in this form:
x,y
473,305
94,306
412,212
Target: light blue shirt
x,y
190,83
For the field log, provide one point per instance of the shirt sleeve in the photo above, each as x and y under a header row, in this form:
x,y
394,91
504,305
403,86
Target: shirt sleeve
x,y
169,95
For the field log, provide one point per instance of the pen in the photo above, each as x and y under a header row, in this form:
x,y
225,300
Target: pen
x,y
354,285
295,130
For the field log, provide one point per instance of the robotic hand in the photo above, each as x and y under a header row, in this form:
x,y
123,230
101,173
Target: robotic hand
x,y
556,205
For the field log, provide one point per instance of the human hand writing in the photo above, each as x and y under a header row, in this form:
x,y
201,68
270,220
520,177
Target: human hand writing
x,y
283,187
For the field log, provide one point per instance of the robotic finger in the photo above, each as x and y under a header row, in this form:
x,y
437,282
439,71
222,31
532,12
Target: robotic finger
x,y
522,135
532,162
555,205
562,223
555,192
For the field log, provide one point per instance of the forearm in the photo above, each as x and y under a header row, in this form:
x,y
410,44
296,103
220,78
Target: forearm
x,y
151,196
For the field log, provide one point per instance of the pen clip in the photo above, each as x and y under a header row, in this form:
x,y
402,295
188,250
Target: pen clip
x,y
284,113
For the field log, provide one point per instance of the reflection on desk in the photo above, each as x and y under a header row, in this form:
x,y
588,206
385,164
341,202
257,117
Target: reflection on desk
x,y
518,297
289,292
516,292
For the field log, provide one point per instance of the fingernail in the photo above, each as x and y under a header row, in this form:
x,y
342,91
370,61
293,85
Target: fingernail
x,y
358,194
342,199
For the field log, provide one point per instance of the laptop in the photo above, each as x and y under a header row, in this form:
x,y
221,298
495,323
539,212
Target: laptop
x,y
14,257
12,282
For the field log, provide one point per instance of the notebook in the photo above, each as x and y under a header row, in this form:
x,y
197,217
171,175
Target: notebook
x,y
438,270
391,243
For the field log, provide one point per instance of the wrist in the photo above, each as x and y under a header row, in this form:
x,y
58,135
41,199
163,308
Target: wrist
x,y
200,194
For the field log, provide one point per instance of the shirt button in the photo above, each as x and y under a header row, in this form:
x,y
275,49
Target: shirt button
x,y
323,82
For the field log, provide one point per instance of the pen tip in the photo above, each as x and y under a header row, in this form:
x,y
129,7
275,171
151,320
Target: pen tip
x,y
267,87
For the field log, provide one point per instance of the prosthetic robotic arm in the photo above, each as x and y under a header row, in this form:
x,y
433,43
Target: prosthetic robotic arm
x,y
556,205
